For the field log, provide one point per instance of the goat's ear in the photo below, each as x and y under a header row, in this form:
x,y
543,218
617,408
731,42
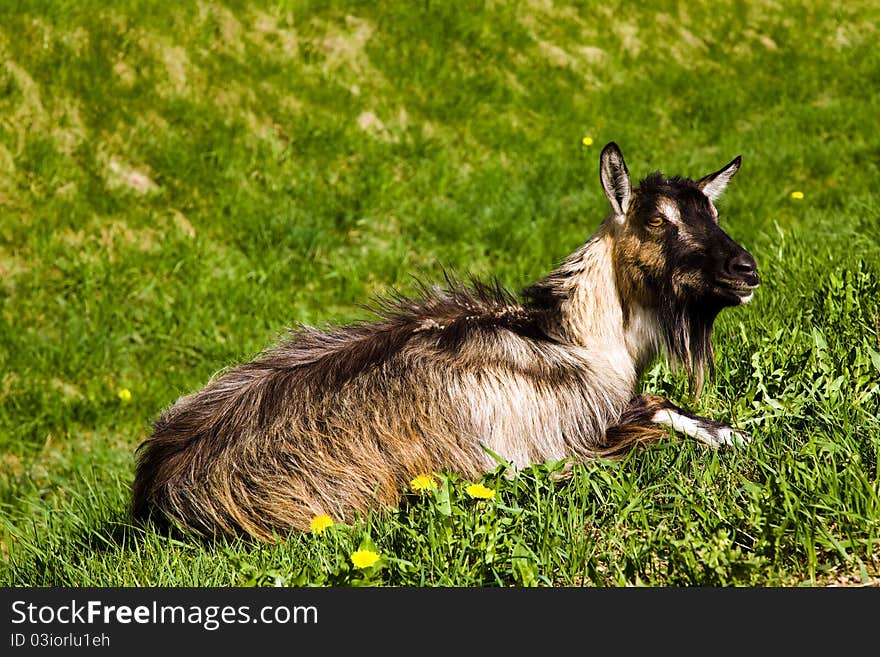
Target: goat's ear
x,y
715,183
615,180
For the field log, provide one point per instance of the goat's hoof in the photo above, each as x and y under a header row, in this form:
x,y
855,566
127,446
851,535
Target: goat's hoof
x,y
732,437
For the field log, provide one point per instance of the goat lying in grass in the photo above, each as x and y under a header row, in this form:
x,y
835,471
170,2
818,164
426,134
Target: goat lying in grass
x,y
333,422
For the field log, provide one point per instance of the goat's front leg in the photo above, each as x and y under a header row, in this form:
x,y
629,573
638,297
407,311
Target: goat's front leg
x,y
710,432
643,418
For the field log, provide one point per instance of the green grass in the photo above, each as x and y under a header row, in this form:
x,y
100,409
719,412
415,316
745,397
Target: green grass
x,y
178,186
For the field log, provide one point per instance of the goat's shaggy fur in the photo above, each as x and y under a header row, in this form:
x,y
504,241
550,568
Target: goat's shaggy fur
x,y
336,421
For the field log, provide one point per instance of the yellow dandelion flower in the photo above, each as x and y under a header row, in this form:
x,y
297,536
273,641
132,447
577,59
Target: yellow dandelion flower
x,y
422,483
587,141
124,395
364,558
797,195
321,523
480,492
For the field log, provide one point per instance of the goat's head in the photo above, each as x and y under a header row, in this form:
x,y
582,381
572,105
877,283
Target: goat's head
x,y
670,256
668,246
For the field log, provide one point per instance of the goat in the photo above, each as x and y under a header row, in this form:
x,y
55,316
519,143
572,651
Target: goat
x,y
334,422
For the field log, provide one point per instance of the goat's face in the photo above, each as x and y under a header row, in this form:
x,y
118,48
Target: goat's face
x,y
668,246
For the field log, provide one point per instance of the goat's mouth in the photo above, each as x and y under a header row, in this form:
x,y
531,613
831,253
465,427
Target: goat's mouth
x,y
741,290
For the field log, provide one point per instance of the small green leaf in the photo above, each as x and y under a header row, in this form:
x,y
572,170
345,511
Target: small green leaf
x,y
875,358
444,504
524,568
819,340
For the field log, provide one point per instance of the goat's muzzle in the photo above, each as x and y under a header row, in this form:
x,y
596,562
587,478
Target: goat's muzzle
x,y
740,276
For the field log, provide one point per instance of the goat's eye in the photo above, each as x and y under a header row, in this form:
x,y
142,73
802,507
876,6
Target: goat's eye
x,y
656,222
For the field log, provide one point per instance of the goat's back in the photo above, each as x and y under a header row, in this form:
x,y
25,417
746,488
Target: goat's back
x,y
332,422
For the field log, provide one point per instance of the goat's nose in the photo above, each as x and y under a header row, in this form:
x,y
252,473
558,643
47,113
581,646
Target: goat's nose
x,y
743,267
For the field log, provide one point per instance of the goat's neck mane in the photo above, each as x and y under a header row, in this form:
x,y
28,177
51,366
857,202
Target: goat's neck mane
x,y
579,298
457,310
587,301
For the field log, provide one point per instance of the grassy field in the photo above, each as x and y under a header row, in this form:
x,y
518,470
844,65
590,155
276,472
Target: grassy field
x,y
180,185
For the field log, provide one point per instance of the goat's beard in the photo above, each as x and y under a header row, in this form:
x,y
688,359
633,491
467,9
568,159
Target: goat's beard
x,y
687,330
